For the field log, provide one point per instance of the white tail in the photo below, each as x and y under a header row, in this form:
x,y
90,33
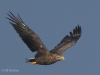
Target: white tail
x,y
30,59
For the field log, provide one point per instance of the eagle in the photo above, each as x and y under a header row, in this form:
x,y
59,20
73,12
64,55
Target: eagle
x,y
34,43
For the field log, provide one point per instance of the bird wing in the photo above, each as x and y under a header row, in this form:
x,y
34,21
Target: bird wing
x,y
28,36
67,41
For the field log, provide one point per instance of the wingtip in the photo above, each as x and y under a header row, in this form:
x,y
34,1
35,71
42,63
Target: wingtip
x,y
79,29
10,12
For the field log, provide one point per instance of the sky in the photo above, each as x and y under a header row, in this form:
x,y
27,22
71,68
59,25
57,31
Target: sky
x,y
51,20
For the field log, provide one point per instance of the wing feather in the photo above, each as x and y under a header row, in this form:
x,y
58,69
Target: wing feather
x,y
28,36
67,41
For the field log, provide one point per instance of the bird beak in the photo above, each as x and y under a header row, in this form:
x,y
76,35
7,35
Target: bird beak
x,y
62,58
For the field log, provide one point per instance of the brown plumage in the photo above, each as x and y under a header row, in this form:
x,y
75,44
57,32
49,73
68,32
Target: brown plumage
x,y
34,43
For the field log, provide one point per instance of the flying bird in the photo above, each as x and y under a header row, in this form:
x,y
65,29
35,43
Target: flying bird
x,y
34,43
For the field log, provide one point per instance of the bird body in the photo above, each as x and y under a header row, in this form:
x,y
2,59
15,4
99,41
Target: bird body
x,y
34,43
49,59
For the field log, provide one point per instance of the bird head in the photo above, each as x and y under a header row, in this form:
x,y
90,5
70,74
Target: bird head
x,y
59,58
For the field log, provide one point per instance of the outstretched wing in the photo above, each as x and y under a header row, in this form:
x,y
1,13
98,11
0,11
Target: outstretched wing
x,y
67,41
28,36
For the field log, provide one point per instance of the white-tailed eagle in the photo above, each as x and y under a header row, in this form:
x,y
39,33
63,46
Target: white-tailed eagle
x,y
31,39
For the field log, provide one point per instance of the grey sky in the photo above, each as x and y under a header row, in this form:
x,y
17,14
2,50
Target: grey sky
x,y
52,20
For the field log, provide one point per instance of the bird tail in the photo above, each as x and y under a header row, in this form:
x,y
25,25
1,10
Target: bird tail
x,y
30,60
